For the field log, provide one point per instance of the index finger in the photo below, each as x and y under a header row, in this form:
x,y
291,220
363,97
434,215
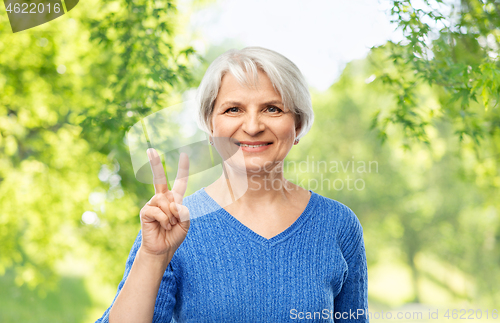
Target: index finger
x,y
159,178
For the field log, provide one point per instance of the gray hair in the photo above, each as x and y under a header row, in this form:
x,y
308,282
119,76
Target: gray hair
x,y
283,73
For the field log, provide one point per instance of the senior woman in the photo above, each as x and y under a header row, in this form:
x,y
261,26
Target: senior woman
x,y
265,249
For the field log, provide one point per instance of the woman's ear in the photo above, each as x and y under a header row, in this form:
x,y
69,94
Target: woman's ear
x,y
211,124
298,126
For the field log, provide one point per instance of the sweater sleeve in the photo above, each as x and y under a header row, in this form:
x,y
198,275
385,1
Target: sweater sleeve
x,y
351,304
165,299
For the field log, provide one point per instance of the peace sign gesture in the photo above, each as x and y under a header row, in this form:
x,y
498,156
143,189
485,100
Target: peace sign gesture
x,y
164,220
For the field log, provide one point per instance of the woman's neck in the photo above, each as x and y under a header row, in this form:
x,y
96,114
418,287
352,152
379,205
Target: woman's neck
x,y
248,189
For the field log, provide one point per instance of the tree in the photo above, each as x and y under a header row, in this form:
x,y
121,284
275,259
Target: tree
x,y
454,48
69,91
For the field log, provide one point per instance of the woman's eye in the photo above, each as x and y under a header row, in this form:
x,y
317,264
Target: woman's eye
x,y
274,109
234,109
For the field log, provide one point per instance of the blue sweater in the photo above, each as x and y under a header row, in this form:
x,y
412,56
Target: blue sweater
x,y
314,271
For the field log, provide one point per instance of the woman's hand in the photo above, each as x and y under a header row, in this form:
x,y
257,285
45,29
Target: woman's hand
x,y
164,223
164,220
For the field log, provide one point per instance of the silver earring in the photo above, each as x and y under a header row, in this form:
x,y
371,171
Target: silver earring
x,y
296,141
211,142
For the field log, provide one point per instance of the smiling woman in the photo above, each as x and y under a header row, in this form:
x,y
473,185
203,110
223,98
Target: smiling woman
x,y
259,253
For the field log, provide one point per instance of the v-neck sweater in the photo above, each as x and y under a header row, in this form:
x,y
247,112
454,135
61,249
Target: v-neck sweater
x,y
314,271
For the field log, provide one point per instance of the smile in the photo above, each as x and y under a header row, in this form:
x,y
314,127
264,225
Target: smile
x,y
253,146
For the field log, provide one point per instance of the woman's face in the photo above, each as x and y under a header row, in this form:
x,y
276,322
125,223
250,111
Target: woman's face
x,y
254,120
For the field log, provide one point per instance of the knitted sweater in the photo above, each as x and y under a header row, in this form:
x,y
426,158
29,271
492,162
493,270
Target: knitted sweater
x,y
314,271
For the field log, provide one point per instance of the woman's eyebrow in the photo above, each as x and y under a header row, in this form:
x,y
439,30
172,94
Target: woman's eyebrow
x,y
277,102
237,103
230,103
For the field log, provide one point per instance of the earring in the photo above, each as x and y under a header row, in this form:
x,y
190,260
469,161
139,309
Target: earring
x,y
296,141
211,142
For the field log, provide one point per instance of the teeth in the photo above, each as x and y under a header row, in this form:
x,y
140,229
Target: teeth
x,y
252,146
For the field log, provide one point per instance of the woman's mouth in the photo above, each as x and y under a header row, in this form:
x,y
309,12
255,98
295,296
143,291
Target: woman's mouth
x,y
253,146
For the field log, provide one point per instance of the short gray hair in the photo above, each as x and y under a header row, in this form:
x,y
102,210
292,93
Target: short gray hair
x,y
283,73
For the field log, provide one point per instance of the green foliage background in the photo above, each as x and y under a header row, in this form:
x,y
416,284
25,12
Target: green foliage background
x,y
424,111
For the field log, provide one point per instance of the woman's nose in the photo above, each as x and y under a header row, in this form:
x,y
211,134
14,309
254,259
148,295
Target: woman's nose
x,y
252,125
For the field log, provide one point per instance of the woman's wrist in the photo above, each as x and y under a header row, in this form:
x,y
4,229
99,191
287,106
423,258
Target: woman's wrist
x,y
155,260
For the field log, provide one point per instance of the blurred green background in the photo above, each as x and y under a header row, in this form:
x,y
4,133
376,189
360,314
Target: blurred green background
x,y
421,115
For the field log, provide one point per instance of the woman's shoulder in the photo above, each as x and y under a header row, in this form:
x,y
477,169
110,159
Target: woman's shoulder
x,y
200,204
336,212
329,205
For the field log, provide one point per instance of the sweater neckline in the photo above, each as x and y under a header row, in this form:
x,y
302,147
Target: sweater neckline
x,y
246,231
